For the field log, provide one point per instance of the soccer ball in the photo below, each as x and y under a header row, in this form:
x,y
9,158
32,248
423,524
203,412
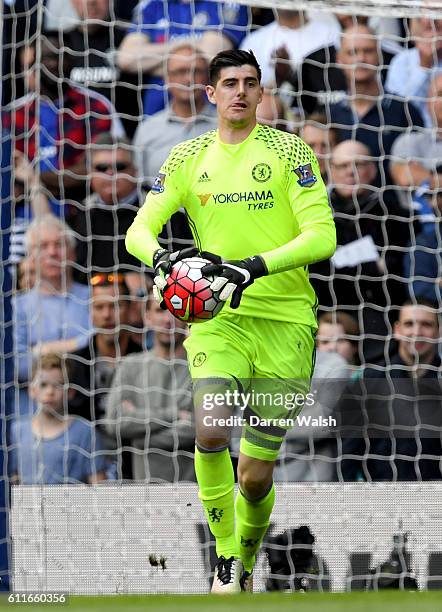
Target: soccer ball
x,y
188,295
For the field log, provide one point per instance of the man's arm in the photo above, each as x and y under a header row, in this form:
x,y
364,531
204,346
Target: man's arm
x,y
138,54
313,215
165,198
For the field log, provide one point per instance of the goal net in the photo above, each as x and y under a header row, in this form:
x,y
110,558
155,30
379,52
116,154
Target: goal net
x,y
94,96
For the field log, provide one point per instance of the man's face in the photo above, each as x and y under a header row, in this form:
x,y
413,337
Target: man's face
x,y
186,76
54,66
47,390
236,94
169,332
318,140
351,171
358,56
110,310
50,253
92,9
417,333
113,175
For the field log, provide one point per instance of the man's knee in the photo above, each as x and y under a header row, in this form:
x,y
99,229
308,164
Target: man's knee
x,y
212,444
253,484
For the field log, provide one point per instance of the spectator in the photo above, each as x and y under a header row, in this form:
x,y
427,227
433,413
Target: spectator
x,y
371,237
321,138
270,111
338,332
423,263
66,118
52,447
150,404
369,114
309,452
401,398
411,70
102,220
322,81
139,287
30,202
95,364
91,46
281,46
54,315
160,27
188,115
416,158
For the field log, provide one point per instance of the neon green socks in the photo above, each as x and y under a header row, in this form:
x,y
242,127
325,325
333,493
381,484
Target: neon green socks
x,y
252,522
214,472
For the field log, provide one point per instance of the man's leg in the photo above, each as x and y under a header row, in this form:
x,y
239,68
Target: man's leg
x,y
254,505
218,356
216,480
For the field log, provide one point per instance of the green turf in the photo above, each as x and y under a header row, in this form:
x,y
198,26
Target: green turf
x,y
391,601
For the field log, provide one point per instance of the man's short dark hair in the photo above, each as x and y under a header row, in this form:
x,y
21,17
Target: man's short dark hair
x,y
424,302
227,59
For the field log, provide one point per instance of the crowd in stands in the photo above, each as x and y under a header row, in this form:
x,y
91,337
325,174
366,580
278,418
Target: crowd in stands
x,y
93,104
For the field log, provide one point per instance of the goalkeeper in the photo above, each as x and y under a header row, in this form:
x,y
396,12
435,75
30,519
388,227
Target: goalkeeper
x,y
258,209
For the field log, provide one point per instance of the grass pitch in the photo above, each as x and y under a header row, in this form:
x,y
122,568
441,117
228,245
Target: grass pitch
x,y
387,601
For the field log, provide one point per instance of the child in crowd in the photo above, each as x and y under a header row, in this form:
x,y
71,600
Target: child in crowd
x,y
53,447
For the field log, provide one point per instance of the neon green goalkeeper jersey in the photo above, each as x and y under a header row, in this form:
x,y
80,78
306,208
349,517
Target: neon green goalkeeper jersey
x,y
264,196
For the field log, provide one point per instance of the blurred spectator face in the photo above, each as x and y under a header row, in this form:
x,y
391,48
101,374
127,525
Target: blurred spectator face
x,y
110,310
351,171
317,138
54,66
113,174
435,100
417,333
358,55
47,390
270,111
92,9
50,252
331,338
169,332
186,75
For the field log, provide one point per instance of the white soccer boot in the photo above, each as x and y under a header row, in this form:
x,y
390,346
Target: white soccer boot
x,y
227,576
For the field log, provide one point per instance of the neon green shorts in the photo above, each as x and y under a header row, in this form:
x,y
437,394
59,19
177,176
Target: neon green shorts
x,y
270,363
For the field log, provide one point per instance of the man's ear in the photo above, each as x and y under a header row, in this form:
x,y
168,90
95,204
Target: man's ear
x,y
210,91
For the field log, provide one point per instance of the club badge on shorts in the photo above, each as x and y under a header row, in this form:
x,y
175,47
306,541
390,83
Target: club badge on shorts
x,y
306,176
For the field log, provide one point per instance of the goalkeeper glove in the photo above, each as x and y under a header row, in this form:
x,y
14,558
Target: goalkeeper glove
x,y
163,261
232,276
